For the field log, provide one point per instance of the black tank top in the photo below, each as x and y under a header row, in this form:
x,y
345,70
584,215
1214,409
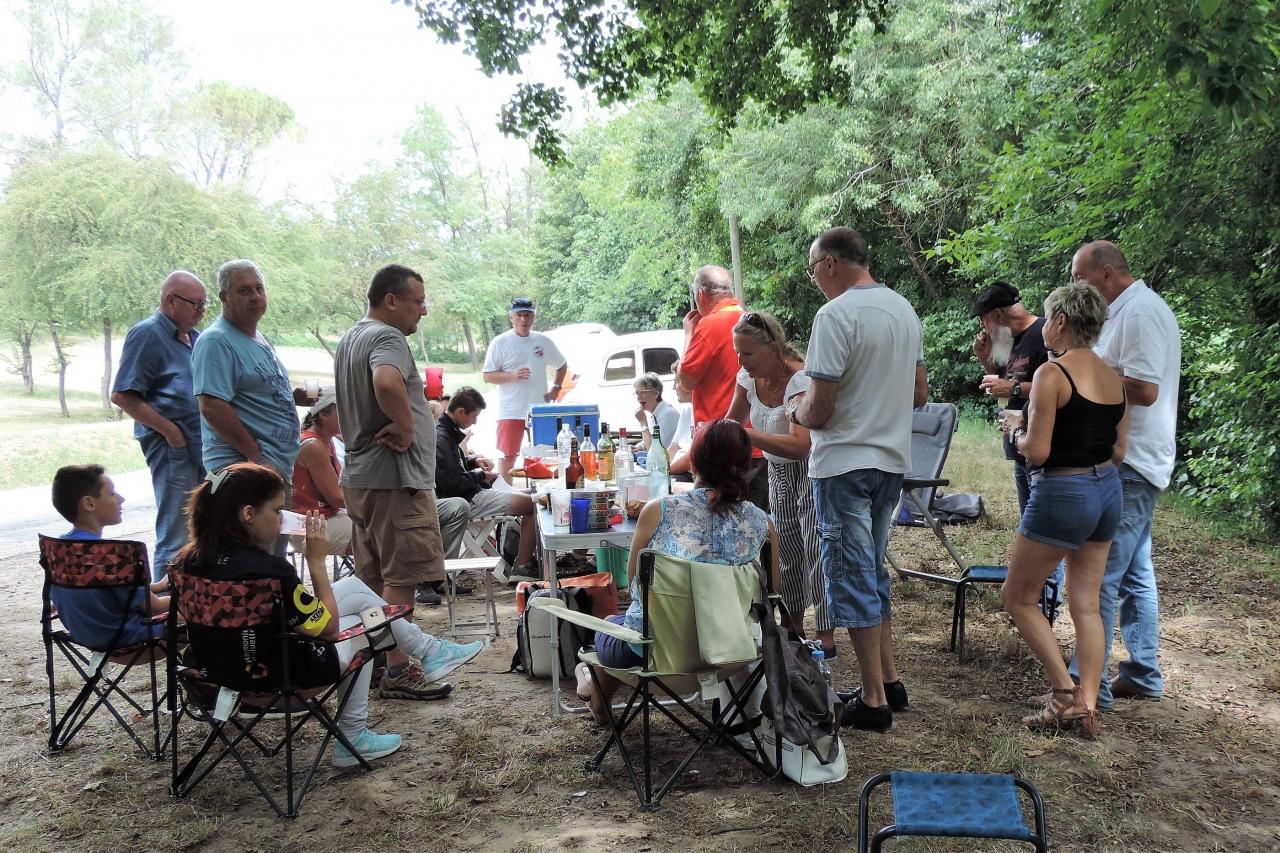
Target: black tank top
x,y
1084,432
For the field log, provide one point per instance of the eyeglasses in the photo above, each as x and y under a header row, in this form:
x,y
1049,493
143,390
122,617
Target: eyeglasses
x,y
198,304
810,269
754,319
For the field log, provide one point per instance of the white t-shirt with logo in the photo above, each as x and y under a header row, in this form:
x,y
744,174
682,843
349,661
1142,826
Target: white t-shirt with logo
x,y
509,352
1142,341
868,341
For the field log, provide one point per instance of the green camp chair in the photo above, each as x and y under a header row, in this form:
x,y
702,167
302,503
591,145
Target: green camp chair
x,y
697,634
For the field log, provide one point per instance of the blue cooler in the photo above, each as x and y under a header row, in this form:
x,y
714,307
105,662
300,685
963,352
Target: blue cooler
x,y
542,419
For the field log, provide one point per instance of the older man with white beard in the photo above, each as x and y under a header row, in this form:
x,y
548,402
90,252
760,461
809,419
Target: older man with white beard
x,y
1011,348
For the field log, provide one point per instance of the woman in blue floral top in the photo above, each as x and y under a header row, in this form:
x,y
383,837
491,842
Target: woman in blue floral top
x,y
714,523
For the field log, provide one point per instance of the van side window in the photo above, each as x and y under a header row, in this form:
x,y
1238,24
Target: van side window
x,y
660,361
620,366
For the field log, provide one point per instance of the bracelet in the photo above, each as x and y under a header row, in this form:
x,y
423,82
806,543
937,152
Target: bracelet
x,y
1016,434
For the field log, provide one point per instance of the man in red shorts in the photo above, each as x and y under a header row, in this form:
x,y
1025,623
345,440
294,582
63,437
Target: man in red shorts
x,y
517,362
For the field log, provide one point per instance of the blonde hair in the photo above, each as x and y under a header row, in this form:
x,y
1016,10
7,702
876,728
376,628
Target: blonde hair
x,y
766,329
1084,307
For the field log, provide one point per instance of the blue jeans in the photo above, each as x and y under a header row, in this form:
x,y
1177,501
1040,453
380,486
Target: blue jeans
x,y
855,512
1129,585
175,471
1022,482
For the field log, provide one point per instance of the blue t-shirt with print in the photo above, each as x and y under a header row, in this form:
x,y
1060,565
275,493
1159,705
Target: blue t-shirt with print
x,y
245,372
92,616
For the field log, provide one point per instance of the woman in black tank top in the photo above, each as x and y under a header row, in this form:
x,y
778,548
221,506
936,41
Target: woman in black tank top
x,y
1072,435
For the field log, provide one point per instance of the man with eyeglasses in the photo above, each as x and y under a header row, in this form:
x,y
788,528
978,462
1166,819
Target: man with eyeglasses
x,y
389,475
153,386
247,410
866,367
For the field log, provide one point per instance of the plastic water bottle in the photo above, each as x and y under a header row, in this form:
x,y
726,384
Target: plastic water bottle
x,y
820,658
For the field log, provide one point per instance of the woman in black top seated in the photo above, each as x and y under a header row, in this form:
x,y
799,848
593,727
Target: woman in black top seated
x,y
234,521
1073,438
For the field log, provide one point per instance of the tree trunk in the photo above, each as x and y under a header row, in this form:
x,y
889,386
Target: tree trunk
x,y
735,252
471,343
26,368
61,361
319,337
912,249
106,362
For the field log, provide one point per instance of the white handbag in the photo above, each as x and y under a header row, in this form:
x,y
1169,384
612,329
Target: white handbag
x,y
799,764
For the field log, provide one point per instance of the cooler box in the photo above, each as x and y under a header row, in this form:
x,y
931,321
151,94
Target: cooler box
x,y
542,419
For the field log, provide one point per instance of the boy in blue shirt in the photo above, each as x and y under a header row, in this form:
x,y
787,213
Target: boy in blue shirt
x,y
85,496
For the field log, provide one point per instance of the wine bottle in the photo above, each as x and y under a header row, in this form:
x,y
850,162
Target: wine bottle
x,y
587,452
659,466
604,454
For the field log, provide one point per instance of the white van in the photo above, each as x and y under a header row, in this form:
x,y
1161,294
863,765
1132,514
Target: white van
x,y
604,366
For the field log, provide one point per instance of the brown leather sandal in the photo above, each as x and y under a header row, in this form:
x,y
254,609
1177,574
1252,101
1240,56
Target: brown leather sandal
x,y
1066,709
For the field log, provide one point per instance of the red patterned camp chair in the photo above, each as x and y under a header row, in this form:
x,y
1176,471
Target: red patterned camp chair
x,y
100,564
231,712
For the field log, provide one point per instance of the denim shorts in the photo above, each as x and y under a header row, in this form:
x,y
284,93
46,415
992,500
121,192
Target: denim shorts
x,y
1065,512
615,653
855,512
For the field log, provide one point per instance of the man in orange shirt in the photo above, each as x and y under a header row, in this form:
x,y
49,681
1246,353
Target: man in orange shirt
x,y
709,366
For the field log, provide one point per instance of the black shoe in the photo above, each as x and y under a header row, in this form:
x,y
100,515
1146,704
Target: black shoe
x,y
426,595
894,691
460,586
860,716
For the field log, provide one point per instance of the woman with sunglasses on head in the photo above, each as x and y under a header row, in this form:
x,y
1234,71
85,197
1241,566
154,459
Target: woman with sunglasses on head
x,y
771,372
234,519
1073,435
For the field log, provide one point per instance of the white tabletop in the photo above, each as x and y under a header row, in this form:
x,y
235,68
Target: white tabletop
x,y
562,540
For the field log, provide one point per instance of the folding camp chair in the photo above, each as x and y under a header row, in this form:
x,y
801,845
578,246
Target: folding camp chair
x,y
116,569
932,427
953,805
217,606
697,634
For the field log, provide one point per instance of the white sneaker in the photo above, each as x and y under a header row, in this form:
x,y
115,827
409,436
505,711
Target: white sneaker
x,y
500,572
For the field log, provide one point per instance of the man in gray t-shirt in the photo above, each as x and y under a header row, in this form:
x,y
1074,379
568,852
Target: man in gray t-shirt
x,y
866,368
389,475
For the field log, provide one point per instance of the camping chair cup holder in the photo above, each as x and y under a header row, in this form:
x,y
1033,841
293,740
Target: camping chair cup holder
x,y
682,657
932,427
103,564
233,715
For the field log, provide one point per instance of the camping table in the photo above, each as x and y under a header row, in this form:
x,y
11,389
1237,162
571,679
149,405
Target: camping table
x,y
552,542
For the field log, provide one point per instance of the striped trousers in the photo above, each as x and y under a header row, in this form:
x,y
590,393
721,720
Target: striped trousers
x,y
796,520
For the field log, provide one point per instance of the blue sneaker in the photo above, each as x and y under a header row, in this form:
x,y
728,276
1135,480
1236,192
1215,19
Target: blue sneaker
x,y
448,657
369,744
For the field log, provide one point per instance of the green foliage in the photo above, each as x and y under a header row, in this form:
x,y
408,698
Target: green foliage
x,y
225,128
954,373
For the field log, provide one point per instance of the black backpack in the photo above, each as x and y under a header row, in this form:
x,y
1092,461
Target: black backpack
x,y
801,704
533,635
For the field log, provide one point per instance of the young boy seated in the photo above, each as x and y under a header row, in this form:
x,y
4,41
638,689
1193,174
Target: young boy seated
x,y
85,496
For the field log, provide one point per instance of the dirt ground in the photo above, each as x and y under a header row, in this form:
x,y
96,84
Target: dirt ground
x,y
489,769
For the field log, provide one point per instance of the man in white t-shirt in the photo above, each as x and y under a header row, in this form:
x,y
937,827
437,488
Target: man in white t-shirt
x,y
1142,342
517,362
866,365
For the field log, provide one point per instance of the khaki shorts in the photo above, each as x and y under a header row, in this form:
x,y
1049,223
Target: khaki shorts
x,y
397,536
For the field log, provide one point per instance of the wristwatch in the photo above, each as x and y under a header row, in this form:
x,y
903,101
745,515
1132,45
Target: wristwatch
x,y
1016,390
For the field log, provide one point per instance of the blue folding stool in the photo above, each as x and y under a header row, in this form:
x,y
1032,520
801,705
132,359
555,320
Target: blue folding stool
x,y
955,805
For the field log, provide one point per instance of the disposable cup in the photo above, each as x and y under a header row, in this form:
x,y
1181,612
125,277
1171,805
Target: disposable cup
x,y
580,511
312,387
560,509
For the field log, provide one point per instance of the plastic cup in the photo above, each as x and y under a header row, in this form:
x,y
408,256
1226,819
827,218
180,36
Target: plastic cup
x,y
561,509
312,387
580,510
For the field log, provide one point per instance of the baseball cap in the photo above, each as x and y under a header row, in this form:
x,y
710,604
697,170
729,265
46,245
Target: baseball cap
x,y
328,396
998,295
523,303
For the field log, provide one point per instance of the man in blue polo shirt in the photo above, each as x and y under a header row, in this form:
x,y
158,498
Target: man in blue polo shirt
x,y
247,411
154,387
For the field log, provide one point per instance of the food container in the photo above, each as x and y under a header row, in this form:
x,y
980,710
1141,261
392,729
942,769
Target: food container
x,y
599,506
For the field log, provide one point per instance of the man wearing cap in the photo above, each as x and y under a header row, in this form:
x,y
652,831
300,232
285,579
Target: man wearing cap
x,y
1011,349
153,386
517,362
